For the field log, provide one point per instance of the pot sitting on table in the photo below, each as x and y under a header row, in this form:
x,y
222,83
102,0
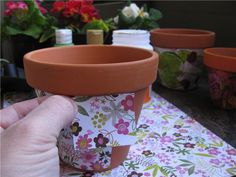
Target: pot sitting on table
x,y
181,55
108,84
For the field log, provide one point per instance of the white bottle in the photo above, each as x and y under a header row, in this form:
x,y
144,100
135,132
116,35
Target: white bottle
x,y
63,37
134,38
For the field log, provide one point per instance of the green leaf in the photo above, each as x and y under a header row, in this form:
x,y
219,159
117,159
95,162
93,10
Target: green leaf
x,y
169,65
82,111
231,171
185,161
124,21
155,14
164,171
204,155
47,35
191,170
82,98
183,55
96,24
150,167
154,173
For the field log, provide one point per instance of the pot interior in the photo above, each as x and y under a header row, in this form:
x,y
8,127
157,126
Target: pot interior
x,y
89,55
182,32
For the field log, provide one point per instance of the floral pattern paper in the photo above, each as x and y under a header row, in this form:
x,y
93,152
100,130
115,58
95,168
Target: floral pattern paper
x,y
104,121
171,144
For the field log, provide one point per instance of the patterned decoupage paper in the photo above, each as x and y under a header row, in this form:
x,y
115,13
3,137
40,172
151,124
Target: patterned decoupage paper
x,y
84,159
104,121
171,144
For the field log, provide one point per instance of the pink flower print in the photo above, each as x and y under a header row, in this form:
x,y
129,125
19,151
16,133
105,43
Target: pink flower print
x,y
231,151
164,122
128,103
11,5
83,142
122,127
148,121
213,151
183,131
177,126
147,174
189,145
166,139
88,156
215,161
190,121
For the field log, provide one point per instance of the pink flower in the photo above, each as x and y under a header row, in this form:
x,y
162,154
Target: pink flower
x,y
88,156
122,127
128,103
213,151
22,5
166,139
215,161
11,5
231,151
41,9
83,142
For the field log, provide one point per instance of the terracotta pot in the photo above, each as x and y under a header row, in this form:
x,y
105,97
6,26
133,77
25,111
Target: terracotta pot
x,y
92,70
221,63
181,52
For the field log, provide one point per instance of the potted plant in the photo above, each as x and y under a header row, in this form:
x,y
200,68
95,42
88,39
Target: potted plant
x,y
133,17
79,16
221,64
28,26
181,55
102,79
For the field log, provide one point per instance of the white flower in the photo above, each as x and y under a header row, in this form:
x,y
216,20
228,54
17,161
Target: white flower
x,y
131,11
142,13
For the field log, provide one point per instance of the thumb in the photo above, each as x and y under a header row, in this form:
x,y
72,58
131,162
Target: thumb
x,y
51,116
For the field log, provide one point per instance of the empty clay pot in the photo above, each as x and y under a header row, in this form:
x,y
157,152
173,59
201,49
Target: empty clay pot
x,y
91,71
221,63
181,52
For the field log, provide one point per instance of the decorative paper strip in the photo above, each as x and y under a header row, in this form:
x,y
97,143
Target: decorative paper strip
x,y
84,159
104,121
171,144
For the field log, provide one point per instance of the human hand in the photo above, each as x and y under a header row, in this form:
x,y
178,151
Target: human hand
x,y
29,132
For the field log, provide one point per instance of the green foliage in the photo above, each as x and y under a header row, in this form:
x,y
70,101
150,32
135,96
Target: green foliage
x,y
97,24
29,22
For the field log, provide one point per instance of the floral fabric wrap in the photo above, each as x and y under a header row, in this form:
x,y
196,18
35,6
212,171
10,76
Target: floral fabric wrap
x,y
180,68
102,122
222,87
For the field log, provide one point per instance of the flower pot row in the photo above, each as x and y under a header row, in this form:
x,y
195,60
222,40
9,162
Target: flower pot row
x,y
183,53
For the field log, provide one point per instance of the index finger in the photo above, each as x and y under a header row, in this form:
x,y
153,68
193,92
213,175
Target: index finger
x,y
15,112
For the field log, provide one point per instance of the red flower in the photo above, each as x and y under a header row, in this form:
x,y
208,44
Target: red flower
x,y
58,6
88,13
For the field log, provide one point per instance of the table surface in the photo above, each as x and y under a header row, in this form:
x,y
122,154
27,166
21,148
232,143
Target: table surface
x,y
170,143
197,104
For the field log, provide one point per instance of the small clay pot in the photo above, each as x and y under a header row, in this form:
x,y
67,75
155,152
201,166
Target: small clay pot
x,y
93,70
221,63
181,52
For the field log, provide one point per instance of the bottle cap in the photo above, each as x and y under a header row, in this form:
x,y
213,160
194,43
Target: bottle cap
x,y
94,36
63,36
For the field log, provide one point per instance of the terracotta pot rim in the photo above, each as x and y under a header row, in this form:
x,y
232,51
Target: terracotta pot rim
x,y
182,38
28,56
221,58
84,79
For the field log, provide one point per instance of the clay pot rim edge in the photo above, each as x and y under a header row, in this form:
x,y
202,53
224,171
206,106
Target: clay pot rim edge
x,y
153,55
221,62
163,31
